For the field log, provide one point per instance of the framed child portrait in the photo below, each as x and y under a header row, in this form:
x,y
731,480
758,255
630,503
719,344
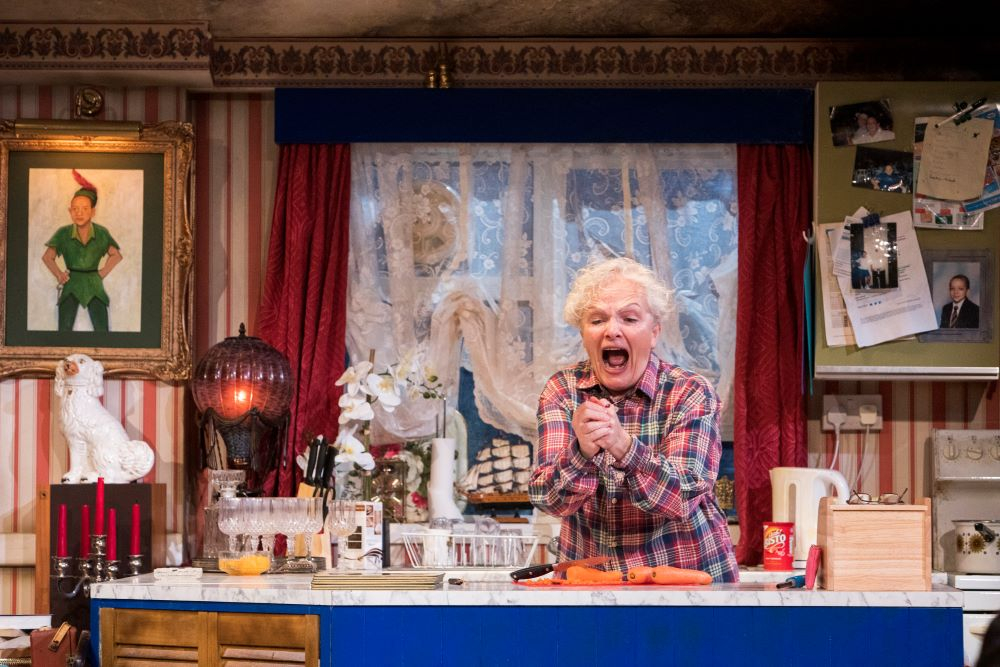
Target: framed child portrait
x,y
96,247
962,289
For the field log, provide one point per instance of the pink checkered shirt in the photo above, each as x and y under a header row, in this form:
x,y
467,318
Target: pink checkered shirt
x,y
657,505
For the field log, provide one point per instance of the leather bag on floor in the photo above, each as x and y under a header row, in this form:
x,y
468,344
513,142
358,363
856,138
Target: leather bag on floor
x,y
52,647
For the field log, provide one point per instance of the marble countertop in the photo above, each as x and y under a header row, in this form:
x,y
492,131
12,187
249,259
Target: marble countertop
x,y
295,589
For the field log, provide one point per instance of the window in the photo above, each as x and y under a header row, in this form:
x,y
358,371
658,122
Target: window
x,y
467,251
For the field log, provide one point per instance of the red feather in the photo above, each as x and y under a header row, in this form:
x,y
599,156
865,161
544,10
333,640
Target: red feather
x,y
84,183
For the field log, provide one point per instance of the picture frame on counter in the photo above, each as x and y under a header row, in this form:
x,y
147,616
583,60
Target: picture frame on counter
x,y
134,181
973,270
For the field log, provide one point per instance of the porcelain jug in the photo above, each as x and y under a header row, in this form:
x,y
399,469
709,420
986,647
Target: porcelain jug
x,y
795,494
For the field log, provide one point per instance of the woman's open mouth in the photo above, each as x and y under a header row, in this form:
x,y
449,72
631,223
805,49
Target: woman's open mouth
x,y
614,357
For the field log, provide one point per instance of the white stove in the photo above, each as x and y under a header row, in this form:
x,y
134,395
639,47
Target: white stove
x,y
966,474
981,594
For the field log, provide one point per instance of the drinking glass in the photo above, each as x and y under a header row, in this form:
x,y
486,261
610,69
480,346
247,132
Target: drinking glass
x,y
340,522
231,519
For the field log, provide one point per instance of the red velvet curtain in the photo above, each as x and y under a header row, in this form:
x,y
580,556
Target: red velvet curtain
x,y
304,309
775,199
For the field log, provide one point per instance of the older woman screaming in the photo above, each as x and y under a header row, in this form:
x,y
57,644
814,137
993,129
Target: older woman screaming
x,y
629,445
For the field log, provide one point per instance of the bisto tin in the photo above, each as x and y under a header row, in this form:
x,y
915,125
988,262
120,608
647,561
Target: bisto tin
x,y
779,545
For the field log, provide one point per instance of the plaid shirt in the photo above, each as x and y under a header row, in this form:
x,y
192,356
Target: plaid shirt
x,y
654,507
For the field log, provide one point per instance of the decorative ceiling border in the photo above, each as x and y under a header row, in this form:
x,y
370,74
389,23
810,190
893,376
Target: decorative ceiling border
x,y
147,46
527,63
182,49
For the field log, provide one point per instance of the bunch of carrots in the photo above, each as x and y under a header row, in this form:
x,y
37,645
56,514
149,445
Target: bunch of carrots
x,y
663,575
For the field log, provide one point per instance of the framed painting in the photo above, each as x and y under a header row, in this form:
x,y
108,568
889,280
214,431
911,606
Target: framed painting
x,y
96,247
962,285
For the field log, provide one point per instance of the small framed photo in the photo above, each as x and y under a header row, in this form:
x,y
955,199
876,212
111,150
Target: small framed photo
x,y
961,283
863,123
881,169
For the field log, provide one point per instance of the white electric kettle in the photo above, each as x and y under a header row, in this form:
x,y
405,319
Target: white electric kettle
x,y
795,494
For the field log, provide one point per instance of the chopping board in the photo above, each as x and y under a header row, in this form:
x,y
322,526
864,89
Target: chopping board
x,y
405,581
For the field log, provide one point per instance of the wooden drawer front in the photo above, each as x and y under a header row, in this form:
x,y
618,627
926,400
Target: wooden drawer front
x,y
268,639
273,630
235,656
152,627
154,656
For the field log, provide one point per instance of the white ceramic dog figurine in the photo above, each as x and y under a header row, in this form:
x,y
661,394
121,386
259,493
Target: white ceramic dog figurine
x,y
98,444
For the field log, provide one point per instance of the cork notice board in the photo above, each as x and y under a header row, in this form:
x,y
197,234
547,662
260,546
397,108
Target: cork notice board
x,y
836,197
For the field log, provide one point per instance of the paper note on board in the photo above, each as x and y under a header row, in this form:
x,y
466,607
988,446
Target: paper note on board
x,y
882,315
954,159
836,321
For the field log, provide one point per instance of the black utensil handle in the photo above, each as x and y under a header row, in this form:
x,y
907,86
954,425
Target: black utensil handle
x,y
310,474
531,572
326,481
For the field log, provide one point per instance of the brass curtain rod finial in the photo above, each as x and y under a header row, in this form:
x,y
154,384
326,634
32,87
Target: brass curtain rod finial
x,y
444,76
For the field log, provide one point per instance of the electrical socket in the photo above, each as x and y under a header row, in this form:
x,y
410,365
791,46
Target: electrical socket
x,y
850,405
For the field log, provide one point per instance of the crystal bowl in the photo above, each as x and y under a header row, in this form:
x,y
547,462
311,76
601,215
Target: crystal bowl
x,y
245,563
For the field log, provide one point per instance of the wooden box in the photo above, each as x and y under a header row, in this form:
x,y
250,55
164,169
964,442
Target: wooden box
x,y
875,547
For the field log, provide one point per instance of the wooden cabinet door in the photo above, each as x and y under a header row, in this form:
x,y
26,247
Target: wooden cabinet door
x,y
151,637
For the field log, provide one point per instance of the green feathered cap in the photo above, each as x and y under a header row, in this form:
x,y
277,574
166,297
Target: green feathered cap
x,y
87,189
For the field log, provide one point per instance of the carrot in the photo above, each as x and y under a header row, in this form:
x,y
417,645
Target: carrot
x,y
640,575
667,575
589,575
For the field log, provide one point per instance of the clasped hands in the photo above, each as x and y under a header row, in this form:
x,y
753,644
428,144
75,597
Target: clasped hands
x,y
596,425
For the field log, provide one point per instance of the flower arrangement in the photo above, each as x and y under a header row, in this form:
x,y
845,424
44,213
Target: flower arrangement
x,y
363,388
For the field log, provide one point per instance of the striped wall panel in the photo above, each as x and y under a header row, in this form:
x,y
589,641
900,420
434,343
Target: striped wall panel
x,y
234,194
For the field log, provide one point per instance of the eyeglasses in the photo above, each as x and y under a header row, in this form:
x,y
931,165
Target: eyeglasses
x,y
884,499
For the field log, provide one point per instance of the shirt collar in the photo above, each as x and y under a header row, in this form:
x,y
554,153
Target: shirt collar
x,y
647,383
76,233
958,304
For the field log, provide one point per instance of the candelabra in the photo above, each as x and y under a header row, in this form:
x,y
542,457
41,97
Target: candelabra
x,y
93,568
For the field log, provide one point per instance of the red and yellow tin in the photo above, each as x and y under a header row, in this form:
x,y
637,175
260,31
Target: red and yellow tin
x,y
779,545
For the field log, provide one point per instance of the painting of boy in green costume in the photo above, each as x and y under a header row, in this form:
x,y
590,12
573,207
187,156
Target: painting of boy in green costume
x,y
89,277
82,245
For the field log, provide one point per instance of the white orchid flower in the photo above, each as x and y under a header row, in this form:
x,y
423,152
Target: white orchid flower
x,y
354,377
350,451
354,408
383,387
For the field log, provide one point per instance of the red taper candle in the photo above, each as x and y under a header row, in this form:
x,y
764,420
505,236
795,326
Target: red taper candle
x,y
61,548
85,531
99,508
136,549
112,535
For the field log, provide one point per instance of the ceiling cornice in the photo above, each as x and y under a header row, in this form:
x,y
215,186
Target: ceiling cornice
x,y
185,53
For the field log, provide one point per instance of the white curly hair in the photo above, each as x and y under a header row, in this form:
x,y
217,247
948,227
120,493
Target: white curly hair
x,y
593,278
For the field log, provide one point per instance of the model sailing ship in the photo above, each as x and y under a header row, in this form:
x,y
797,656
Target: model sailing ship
x,y
501,473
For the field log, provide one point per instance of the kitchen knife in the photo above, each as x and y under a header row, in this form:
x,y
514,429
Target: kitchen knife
x,y
320,462
325,479
539,570
310,476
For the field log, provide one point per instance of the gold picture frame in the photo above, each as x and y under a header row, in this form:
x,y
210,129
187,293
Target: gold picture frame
x,y
142,178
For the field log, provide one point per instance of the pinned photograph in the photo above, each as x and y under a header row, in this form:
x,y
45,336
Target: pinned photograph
x,y
863,123
874,263
961,282
885,170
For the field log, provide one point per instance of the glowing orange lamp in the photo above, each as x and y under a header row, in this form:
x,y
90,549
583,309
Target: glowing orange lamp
x,y
242,388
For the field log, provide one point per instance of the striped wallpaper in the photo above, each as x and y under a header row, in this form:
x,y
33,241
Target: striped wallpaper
x,y
234,177
235,164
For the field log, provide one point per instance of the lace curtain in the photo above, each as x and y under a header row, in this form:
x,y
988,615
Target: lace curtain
x,y
465,252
